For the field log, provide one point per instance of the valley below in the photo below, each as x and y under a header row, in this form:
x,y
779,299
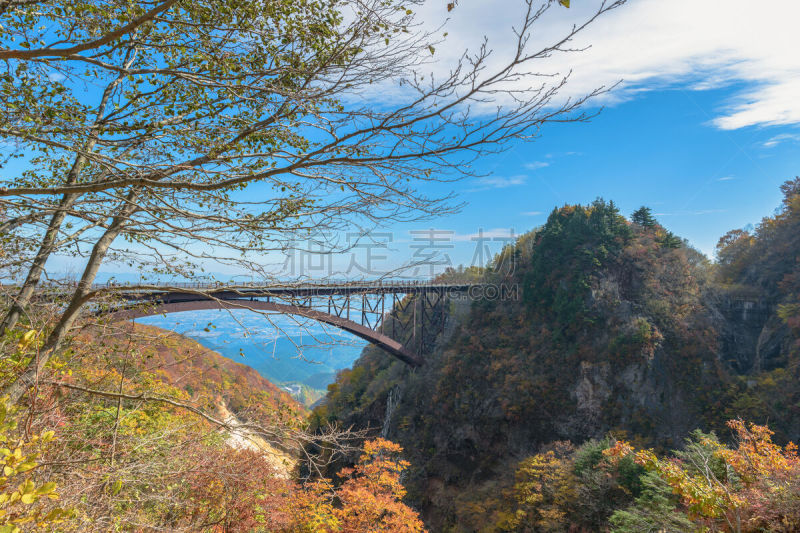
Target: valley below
x,y
300,356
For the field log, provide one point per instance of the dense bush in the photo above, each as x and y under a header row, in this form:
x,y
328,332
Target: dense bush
x,y
752,486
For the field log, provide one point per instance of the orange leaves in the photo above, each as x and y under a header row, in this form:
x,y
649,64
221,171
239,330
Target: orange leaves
x,y
757,457
370,497
751,487
619,449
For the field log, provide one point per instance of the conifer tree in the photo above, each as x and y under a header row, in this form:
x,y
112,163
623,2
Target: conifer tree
x,y
644,217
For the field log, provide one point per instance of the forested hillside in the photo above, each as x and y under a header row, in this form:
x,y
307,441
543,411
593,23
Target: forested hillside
x,y
622,329
139,429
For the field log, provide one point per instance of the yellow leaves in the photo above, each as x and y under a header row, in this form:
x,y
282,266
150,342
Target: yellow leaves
x,y
14,462
544,483
564,3
17,506
27,339
647,459
313,509
788,311
701,494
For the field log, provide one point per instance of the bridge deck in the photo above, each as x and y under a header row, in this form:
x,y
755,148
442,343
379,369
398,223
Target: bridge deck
x,y
194,290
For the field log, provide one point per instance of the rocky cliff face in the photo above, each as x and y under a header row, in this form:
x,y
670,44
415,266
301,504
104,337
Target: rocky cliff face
x,y
741,319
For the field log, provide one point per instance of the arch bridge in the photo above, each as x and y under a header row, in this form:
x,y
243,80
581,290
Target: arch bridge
x,y
401,317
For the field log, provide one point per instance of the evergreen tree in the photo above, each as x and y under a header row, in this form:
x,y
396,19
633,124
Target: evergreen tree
x,y
644,217
670,240
654,510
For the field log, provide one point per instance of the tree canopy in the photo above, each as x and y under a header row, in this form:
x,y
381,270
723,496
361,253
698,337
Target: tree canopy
x,y
170,136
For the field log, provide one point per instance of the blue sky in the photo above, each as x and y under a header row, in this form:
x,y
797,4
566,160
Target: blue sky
x,y
703,127
657,150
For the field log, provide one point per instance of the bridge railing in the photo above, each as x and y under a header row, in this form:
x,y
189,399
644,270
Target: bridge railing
x,y
205,285
221,285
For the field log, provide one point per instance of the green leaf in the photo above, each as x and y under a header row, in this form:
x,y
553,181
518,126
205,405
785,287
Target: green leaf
x,y
564,3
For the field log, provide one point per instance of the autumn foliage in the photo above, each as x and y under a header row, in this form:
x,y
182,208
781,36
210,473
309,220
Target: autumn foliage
x,y
369,499
750,487
151,452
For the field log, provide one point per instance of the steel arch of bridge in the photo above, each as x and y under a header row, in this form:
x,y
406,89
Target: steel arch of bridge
x,y
402,318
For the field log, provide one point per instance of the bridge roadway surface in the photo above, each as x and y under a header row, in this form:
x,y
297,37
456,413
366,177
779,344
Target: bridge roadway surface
x,y
298,290
147,300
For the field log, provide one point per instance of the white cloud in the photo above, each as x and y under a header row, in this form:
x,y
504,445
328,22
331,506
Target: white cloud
x,y
726,178
536,165
497,182
531,213
783,137
650,44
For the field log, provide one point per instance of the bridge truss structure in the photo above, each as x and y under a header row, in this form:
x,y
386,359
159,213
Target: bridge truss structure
x,y
402,317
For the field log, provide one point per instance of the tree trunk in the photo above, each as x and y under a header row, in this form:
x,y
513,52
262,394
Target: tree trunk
x,y
48,245
46,248
82,294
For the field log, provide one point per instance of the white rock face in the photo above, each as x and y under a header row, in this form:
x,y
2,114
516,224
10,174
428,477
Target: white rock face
x,y
243,439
